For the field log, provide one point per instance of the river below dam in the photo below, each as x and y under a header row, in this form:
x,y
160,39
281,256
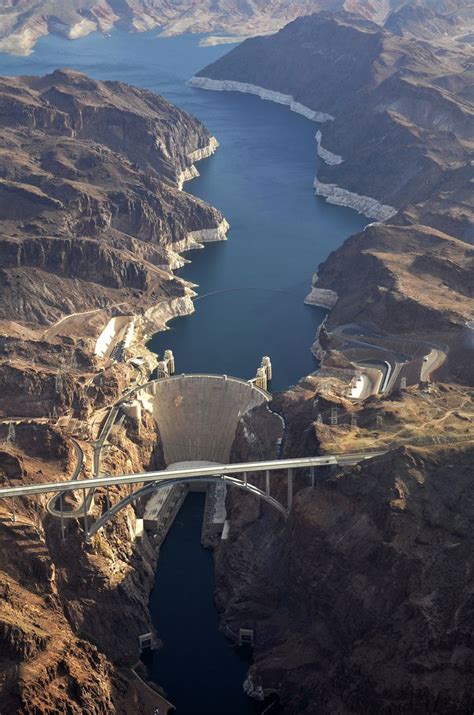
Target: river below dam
x,y
251,291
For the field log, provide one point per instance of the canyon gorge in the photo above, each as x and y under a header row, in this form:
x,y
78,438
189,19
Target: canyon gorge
x,y
361,601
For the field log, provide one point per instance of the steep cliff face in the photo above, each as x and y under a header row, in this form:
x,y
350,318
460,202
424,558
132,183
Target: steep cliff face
x,y
377,600
93,220
405,122
394,276
71,613
362,601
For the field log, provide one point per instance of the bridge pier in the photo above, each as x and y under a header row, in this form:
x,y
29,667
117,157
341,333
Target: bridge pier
x,y
311,474
63,535
267,482
290,489
86,521
38,512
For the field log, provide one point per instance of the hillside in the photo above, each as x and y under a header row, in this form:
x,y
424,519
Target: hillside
x,y
91,209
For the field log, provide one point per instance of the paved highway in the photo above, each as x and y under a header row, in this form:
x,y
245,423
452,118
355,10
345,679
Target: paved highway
x,y
202,473
392,364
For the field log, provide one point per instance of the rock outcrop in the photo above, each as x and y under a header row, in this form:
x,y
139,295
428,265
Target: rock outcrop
x,y
90,207
406,120
71,613
93,222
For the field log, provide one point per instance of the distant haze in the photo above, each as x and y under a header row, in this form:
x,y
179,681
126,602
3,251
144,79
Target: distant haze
x,y
22,22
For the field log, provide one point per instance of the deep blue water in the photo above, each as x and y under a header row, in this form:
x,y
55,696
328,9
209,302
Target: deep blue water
x,y
195,652
261,179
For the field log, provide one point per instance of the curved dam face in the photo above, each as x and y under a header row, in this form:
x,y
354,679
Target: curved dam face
x,y
198,415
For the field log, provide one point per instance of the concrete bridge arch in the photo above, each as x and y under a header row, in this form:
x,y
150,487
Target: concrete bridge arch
x,y
149,489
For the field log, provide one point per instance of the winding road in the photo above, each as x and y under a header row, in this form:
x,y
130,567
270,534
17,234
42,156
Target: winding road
x,y
391,365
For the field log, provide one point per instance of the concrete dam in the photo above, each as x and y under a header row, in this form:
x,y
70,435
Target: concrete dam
x,y
197,415
197,419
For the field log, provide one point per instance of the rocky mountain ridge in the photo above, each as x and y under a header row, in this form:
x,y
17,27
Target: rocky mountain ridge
x,y
23,22
406,158
93,220
361,601
63,603
89,184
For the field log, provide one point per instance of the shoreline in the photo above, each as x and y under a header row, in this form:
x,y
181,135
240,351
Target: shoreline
x,y
334,194
321,297
155,319
191,172
227,85
365,205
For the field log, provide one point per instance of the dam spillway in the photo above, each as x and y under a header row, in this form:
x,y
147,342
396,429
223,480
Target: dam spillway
x,y
197,415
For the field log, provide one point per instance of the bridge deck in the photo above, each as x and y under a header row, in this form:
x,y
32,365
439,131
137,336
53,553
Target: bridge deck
x,y
183,474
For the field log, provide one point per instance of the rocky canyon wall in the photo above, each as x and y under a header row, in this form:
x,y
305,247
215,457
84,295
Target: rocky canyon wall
x,y
93,220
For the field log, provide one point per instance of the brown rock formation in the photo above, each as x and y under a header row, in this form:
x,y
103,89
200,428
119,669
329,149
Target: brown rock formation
x,y
92,224
91,214
409,104
21,25
362,601
71,613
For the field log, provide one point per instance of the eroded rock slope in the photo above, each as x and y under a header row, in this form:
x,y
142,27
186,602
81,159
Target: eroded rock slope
x,y
92,219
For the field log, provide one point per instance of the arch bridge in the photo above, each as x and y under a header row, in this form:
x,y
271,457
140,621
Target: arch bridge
x,y
233,475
